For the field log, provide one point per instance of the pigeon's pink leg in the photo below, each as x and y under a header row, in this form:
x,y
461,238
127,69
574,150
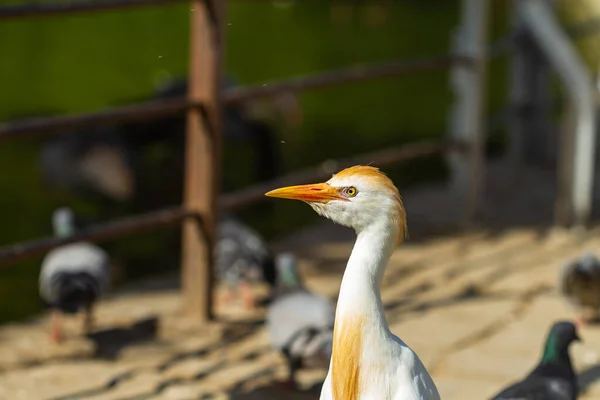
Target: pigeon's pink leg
x,y
228,296
56,334
247,295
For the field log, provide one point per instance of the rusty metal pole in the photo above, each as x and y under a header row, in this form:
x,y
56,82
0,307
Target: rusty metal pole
x,y
203,150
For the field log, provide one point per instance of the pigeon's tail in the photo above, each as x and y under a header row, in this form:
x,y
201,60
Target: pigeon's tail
x,y
309,347
73,291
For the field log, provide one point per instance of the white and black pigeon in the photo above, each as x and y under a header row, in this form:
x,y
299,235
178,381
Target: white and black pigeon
x,y
579,282
299,322
241,258
553,378
74,276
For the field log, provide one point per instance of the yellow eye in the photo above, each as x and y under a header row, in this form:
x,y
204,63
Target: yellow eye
x,y
351,192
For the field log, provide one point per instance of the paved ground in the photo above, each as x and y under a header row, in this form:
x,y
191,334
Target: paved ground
x,y
475,306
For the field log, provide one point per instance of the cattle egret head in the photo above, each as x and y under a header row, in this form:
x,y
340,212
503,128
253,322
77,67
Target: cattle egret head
x,y
356,197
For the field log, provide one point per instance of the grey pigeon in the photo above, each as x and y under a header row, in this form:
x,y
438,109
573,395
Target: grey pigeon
x,y
241,258
299,322
553,378
579,282
72,277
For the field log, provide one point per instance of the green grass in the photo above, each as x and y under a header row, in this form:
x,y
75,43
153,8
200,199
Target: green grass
x,y
86,62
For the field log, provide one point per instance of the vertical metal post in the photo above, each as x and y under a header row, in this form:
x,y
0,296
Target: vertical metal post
x,y
542,139
203,150
519,94
578,142
467,116
529,126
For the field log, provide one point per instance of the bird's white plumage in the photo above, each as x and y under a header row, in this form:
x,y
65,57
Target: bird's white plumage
x,y
72,258
81,256
401,376
390,369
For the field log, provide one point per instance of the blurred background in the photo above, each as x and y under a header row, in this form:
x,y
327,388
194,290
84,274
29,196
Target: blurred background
x,y
85,62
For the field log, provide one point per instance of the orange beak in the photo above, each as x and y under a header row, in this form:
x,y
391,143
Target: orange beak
x,y
315,193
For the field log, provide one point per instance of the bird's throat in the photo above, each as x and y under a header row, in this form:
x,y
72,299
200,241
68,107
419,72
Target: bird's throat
x,y
360,288
359,315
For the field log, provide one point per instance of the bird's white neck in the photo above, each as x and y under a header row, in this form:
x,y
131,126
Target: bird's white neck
x,y
359,319
360,289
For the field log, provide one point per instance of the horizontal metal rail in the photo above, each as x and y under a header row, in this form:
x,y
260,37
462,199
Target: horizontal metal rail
x,y
160,108
99,233
33,10
228,202
30,10
380,158
344,75
19,129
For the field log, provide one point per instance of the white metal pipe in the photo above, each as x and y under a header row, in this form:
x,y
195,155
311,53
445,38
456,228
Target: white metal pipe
x,y
571,69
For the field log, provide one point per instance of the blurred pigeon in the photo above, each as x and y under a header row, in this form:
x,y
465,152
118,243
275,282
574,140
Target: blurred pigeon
x,y
73,276
553,378
300,323
288,278
100,162
580,284
242,257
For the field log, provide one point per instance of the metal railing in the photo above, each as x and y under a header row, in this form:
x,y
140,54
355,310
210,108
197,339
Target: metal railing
x,y
228,202
162,108
202,105
31,10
